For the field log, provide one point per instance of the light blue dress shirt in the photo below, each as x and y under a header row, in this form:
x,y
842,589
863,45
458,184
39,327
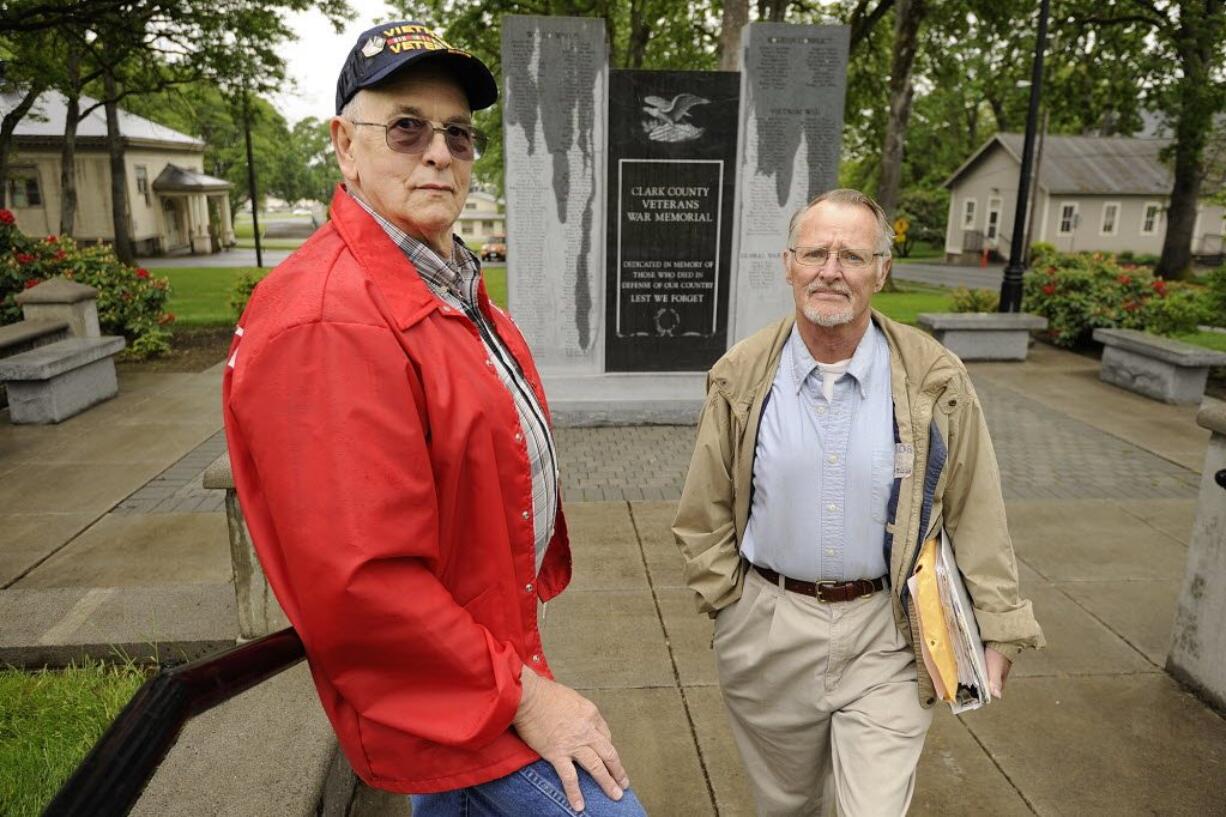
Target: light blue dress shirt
x,y
823,469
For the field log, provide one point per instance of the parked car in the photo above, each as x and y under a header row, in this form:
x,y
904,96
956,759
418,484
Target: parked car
x,y
494,249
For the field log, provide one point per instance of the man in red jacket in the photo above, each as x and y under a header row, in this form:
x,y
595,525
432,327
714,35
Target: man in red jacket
x,y
392,453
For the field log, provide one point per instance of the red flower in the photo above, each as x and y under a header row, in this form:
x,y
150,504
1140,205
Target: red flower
x,y
60,255
142,273
1160,286
167,317
1124,279
24,258
1131,306
1049,289
6,217
51,239
31,282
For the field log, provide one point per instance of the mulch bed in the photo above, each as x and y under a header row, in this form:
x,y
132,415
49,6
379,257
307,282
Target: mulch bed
x,y
193,349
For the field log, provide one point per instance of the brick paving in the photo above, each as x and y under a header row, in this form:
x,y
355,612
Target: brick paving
x,y
1043,454
178,488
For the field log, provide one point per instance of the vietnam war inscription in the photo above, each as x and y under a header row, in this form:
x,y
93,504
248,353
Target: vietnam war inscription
x,y
671,189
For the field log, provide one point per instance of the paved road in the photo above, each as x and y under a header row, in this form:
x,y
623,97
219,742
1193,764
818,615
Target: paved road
x,y
950,275
226,258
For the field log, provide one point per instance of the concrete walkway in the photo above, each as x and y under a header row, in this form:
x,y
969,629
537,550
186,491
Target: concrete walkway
x,y
950,275
106,538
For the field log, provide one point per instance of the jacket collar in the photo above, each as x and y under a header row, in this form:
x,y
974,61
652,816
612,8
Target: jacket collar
x,y
407,295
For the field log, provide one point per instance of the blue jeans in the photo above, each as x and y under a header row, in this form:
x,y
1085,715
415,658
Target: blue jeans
x,y
533,791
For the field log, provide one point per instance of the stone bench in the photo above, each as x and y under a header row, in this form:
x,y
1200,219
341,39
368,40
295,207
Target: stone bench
x,y
23,336
51,383
1162,368
983,335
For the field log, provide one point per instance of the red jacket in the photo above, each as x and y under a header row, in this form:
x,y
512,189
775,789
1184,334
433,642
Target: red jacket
x,y
388,493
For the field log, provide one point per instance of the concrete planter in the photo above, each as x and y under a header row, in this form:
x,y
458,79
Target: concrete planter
x,y
1162,368
983,335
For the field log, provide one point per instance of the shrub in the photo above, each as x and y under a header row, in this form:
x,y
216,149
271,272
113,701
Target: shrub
x,y
131,302
1215,297
240,293
1080,292
975,300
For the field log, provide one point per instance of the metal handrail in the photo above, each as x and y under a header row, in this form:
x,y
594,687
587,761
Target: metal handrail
x,y
111,778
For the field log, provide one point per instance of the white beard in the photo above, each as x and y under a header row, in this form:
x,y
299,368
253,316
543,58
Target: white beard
x,y
828,319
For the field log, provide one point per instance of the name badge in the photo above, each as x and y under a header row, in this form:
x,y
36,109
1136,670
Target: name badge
x,y
904,460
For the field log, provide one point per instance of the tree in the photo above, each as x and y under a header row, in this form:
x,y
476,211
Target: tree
x,y
908,15
1183,69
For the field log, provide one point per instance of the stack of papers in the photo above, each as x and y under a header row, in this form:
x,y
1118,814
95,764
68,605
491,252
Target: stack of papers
x,y
951,646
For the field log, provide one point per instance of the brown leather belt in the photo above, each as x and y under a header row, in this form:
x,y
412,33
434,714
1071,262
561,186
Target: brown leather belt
x,y
825,591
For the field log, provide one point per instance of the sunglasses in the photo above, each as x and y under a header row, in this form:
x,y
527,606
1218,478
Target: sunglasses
x,y
410,135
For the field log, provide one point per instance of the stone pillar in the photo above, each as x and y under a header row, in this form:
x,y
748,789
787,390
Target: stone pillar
x,y
227,222
1198,642
792,88
60,299
259,613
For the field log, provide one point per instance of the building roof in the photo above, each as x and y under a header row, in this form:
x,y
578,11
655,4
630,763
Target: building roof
x,y
45,120
175,179
1088,165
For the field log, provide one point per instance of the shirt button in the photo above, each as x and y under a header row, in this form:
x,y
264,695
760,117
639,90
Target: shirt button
x,y
446,308
833,458
489,363
529,587
829,551
519,437
536,659
525,514
832,507
821,409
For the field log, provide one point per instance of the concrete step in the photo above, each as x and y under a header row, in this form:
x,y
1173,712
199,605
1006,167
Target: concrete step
x,y
269,752
170,624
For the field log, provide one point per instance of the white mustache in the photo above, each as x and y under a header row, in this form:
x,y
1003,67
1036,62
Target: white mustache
x,y
815,287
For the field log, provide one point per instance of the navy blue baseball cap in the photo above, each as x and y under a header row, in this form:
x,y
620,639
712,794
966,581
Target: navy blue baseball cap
x,y
385,49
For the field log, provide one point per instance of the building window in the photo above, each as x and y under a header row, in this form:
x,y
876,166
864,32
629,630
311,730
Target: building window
x,y
993,218
470,205
487,225
968,214
1149,221
23,189
1068,218
142,183
1111,218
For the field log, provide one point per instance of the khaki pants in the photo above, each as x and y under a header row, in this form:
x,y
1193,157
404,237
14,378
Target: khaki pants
x,y
822,702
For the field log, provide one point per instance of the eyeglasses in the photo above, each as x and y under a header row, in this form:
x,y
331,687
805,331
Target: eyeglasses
x,y
848,258
410,135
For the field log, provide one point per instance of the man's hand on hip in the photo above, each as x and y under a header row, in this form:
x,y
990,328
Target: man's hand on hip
x,y
565,728
998,671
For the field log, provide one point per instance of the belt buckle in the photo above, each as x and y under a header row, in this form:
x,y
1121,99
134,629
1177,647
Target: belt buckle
x,y
818,590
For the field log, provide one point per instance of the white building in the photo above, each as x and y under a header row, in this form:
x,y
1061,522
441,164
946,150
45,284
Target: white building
x,y
173,205
1094,193
481,218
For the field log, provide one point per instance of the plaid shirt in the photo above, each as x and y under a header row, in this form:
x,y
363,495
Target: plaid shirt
x,y
455,283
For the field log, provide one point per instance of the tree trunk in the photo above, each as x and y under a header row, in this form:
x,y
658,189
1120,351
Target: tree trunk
x,y
736,16
119,175
68,153
636,47
909,15
1195,41
776,10
7,126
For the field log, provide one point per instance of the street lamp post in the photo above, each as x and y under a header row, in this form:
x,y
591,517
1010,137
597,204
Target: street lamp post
x,y
1011,286
251,188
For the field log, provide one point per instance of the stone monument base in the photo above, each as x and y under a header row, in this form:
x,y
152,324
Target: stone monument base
x,y
625,399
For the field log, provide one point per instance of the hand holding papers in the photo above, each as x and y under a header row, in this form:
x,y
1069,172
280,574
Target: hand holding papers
x,y
951,646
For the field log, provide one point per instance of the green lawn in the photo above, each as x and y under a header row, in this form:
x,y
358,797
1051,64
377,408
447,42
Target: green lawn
x,y
199,296
48,721
1210,340
912,299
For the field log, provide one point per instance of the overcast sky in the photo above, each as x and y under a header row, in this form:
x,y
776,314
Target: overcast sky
x,y
315,60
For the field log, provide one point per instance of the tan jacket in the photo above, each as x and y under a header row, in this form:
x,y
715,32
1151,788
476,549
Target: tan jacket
x,y
954,481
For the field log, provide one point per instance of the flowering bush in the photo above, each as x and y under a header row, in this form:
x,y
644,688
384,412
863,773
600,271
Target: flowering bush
x,y
975,300
131,302
1080,292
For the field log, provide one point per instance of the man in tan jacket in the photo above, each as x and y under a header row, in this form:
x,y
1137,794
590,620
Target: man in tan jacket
x,y
832,445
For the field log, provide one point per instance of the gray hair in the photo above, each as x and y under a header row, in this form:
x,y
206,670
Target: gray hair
x,y
845,195
352,108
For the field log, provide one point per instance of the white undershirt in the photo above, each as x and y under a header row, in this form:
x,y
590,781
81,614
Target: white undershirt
x,y
831,372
